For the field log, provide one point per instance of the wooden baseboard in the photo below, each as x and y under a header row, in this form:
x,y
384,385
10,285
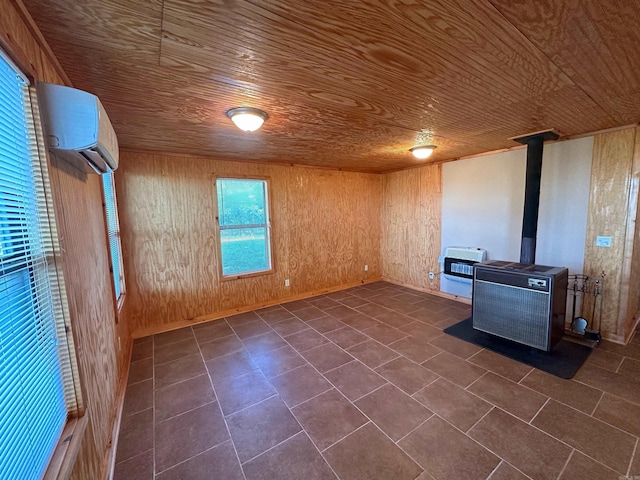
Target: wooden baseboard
x,y
437,293
110,456
226,313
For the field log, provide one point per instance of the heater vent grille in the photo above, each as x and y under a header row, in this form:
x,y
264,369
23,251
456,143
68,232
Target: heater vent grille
x,y
515,313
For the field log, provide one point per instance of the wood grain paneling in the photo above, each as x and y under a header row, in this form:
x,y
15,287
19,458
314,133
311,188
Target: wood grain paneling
x,y
80,224
611,181
411,220
326,227
465,76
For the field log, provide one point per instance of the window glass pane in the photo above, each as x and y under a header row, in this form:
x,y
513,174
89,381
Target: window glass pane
x,y
241,202
113,230
244,225
244,250
32,409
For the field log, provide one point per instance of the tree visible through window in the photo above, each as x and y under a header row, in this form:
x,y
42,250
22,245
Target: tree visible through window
x,y
243,217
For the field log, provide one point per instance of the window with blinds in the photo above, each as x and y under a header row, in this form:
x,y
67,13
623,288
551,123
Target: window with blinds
x,y
33,405
113,230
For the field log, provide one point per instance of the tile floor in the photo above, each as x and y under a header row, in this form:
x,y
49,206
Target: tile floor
x,y
362,384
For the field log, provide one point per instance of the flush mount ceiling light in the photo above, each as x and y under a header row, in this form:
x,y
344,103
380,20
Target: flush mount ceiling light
x,y
247,118
423,151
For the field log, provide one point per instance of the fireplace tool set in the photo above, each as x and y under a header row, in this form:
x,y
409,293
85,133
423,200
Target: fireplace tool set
x,y
585,294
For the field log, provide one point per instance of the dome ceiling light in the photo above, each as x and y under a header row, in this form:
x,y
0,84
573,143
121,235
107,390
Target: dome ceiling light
x,y
248,119
422,152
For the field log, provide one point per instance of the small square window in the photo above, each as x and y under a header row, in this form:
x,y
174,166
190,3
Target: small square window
x,y
243,218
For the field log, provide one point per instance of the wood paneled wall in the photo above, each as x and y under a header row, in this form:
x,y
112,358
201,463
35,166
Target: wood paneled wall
x,y
612,212
326,227
81,227
411,221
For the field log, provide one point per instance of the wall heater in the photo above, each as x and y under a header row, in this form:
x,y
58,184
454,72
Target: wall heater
x,y
520,302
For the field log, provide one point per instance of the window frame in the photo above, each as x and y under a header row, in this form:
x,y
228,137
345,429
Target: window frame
x,y
269,228
119,300
63,454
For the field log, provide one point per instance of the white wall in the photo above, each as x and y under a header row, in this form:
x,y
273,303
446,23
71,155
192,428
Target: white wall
x,y
483,201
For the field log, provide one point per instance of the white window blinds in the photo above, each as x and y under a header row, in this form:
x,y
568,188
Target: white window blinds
x,y
113,229
32,402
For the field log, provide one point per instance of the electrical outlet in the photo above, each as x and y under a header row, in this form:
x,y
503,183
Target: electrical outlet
x,y
431,275
366,268
287,283
603,241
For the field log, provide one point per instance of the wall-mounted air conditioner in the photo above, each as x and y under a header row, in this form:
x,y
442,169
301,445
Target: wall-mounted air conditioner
x,y
77,128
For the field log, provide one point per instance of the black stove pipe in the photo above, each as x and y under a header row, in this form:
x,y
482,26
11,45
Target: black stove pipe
x,y
535,144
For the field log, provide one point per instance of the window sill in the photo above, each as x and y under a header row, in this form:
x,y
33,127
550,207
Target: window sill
x,y
64,456
247,275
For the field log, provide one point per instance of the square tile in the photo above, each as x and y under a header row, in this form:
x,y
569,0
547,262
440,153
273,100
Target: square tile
x,y
372,353
323,302
274,315
346,337
221,347
415,349
296,305
309,313
500,364
406,375
507,472
142,350
252,329
328,418
277,362
300,384
341,312
530,450
455,346
206,332
384,333
598,440
173,336
426,315
394,319
393,411
327,357
289,326
264,343
355,380
521,401
353,302
217,462
360,322
368,453
570,392
306,340
242,318
620,413
604,359
240,392
447,453
325,324
293,459
138,397
186,435
139,467
174,351
454,369
421,330
608,381
178,371
140,371
459,407
260,427
629,367
135,435
372,309
580,466
232,365
181,397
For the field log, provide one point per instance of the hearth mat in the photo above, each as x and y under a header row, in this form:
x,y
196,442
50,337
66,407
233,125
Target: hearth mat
x,y
563,361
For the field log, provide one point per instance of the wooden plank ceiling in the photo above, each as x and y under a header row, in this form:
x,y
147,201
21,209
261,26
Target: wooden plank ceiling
x,y
349,84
